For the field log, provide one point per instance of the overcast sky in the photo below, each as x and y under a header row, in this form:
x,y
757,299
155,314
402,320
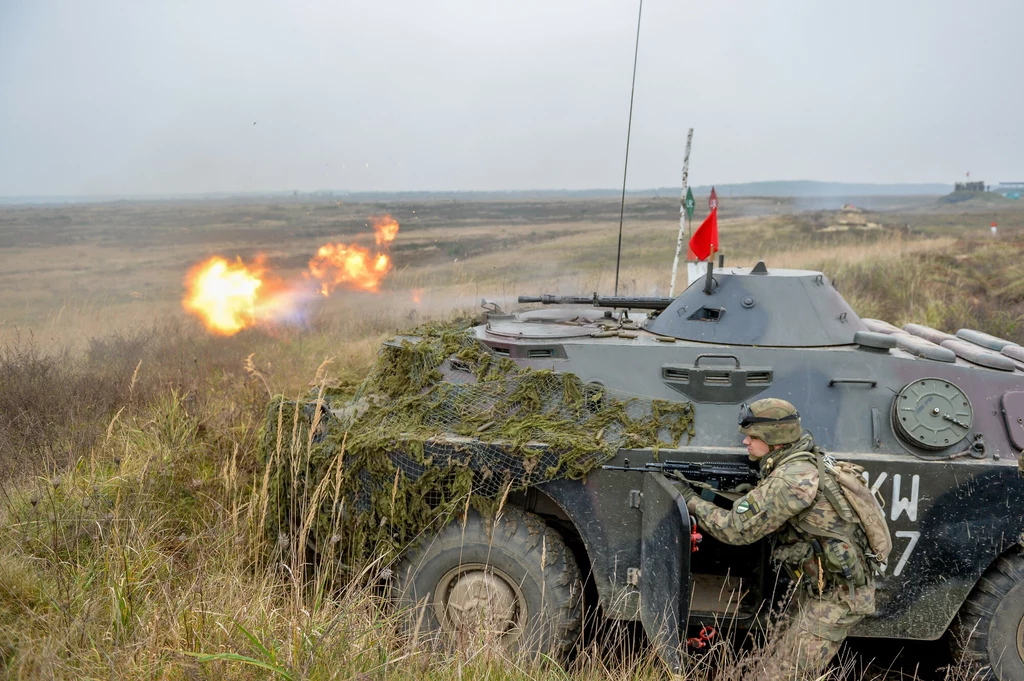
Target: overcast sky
x,y
143,97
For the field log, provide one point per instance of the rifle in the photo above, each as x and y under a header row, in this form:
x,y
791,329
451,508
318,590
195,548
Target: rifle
x,y
634,302
711,477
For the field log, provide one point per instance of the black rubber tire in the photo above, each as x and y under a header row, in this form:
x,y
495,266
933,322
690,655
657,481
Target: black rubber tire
x,y
988,630
516,546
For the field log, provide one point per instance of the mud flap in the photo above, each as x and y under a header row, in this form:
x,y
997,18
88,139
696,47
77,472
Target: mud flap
x,y
665,569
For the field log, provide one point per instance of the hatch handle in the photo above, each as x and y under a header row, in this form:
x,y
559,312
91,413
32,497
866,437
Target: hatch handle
x,y
862,381
734,358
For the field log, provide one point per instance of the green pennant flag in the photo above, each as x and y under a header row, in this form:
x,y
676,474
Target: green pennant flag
x,y
690,204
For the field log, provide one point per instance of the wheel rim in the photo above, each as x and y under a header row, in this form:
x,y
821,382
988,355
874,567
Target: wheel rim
x,y
479,600
1020,638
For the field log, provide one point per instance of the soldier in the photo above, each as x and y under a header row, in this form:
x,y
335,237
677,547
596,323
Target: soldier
x,y
822,552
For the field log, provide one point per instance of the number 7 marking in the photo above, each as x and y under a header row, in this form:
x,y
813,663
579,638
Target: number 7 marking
x,y
914,536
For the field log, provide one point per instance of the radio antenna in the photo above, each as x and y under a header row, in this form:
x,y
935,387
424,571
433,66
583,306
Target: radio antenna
x,y
625,165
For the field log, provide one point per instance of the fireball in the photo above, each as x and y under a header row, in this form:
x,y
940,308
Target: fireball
x,y
231,296
385,229
224,294
352,265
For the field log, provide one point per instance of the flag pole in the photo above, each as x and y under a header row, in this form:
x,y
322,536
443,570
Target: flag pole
x,y
682,212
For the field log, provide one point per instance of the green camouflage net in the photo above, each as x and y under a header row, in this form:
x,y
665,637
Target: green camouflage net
x,y
440,424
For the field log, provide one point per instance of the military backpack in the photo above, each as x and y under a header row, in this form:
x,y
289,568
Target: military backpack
x,y
844,478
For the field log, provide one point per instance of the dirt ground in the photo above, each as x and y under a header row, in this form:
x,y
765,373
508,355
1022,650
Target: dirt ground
x,y
90,268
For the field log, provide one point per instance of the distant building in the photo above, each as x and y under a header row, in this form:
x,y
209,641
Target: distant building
x,y
1011,190
970,186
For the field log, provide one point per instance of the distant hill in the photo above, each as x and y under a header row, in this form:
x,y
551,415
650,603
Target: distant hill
x,y
774,188
802,188
976,199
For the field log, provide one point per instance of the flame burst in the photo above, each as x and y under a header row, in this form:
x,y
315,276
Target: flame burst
x,y
385,229
224,293
352,265
231,296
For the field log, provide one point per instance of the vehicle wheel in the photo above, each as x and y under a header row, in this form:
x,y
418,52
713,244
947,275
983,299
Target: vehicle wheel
x,y
513,583
990,627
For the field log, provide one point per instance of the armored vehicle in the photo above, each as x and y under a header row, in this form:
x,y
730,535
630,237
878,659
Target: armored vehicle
x,y
936,419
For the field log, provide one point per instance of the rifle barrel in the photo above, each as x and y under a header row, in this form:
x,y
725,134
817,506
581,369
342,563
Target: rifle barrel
x,y
632,302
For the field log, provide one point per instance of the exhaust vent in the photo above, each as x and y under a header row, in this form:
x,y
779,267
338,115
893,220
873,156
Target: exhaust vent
x,y
717,384
717,377
675,375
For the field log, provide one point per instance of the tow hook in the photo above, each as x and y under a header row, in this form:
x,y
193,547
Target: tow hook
x,y
695,537
702,639
978,447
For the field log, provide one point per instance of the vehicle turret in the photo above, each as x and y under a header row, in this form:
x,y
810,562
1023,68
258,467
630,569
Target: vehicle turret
x,y
743,306
749,306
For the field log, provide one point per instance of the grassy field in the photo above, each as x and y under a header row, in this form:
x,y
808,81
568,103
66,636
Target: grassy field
x,y
131,543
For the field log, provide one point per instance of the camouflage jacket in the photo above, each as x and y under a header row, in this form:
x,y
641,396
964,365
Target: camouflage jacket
x,y
810,537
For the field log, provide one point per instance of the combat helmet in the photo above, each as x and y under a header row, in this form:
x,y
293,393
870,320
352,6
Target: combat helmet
x,y
775,421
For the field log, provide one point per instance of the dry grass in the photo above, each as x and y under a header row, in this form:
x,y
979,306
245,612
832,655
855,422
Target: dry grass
x,y
148,559
971,284
131,542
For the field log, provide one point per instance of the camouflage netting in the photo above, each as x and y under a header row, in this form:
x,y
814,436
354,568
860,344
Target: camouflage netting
x,y
440,424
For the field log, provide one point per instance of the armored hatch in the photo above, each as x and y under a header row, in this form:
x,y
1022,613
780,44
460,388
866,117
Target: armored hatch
x,y
789,308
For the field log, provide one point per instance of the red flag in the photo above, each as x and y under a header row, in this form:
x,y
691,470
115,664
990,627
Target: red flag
x,y
712,200
704,243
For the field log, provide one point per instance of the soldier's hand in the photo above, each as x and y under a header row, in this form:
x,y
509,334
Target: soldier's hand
x,y
742,488
688,493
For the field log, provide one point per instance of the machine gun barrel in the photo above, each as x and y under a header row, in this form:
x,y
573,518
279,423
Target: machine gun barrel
x,y
631,302
717,475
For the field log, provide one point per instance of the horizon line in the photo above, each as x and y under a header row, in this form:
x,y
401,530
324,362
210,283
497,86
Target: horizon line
x,y
936,188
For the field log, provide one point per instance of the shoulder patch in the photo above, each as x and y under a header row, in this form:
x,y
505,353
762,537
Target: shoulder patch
x,y
747,508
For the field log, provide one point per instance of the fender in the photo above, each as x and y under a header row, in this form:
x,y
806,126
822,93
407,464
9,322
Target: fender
x,y
605,510
651,538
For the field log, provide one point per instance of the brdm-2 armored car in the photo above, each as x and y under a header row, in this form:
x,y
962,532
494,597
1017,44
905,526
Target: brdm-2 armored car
x,y
937,421
523,465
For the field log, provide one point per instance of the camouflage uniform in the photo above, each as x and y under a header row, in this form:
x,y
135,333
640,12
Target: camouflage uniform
x,y
820,549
